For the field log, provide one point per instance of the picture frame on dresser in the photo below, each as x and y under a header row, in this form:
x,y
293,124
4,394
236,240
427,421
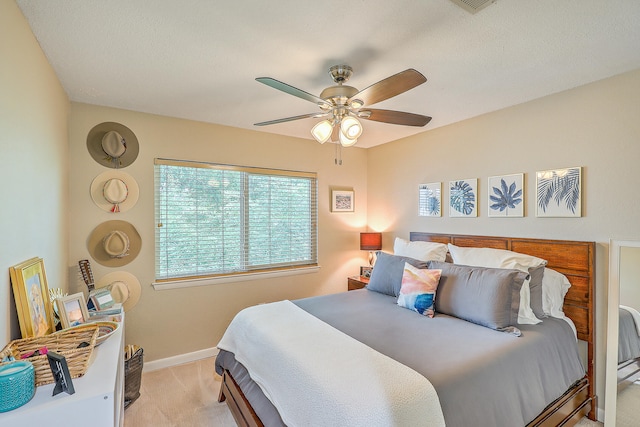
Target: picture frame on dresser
x,y
31,293
72,310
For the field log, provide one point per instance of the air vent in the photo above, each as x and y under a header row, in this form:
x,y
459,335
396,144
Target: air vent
x,y
473,6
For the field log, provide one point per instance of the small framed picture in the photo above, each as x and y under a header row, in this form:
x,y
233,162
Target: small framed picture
x,y
366,271
61,374
342,201
72,310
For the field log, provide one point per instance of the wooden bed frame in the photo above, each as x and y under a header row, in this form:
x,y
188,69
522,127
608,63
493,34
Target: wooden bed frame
x,y
576,260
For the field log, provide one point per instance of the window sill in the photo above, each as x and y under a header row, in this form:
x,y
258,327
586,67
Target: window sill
x,y
189,283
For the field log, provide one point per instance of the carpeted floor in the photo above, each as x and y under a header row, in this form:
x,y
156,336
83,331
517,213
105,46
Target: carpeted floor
x,y
180,396
627,406
187,396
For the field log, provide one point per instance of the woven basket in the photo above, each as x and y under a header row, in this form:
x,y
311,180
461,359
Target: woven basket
x,y
65,343
133,363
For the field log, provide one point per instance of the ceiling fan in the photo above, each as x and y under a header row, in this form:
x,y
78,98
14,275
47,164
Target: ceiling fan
x,y
341,106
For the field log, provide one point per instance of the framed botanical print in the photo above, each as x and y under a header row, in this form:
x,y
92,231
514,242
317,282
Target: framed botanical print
x,y
463,198
506,196
430,199
559,193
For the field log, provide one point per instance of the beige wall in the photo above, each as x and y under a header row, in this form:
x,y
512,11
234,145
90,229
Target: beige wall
x,y
33,147
47,171
596,126
172,322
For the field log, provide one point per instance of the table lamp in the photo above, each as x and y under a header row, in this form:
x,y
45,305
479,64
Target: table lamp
x,y
370,242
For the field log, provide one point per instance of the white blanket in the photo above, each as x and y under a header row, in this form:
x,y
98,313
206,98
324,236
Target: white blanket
x,y
316,375
636,316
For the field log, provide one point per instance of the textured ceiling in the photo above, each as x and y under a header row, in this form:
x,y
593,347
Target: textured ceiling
x,y
198,59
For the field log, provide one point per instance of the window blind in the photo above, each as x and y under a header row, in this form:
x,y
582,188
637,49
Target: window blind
x,y
220,219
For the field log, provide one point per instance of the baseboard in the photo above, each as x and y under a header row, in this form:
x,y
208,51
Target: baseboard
x,y
180,359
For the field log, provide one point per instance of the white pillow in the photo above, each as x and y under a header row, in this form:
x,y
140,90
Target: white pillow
x,y
554,288
422,251
501,258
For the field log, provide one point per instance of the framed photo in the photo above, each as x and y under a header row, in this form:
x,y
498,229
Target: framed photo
x,y
430,199
342,201
61,374
72,310
506,196
31,292
366,271
463,198
559,193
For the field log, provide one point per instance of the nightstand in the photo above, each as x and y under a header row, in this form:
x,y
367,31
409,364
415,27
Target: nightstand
x,y
357,282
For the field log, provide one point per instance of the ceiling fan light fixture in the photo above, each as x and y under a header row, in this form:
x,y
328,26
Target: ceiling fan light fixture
x,y
322,131
344,141
356,103
351,128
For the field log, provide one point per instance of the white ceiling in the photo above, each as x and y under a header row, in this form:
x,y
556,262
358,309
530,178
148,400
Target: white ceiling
x,y
197,59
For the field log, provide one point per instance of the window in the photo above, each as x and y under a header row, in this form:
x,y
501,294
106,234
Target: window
x,y
214,220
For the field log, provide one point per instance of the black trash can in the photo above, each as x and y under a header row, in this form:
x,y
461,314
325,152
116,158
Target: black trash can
x,y
133,361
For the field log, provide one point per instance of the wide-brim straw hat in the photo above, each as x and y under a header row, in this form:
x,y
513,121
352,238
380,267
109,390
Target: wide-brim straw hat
x,y
124,287
112,145
114,191
114,243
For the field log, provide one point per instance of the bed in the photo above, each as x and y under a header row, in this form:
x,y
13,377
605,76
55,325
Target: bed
x,y
359,314
628,346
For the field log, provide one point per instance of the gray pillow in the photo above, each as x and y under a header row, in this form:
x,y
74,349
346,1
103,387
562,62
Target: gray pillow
x,y
386,276
535,289
486,296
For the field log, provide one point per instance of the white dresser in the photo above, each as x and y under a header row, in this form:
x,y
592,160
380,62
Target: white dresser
x,y
98,400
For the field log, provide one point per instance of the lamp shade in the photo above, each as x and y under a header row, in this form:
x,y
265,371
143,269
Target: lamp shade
x,y
322,131
370,241
351,127
344,141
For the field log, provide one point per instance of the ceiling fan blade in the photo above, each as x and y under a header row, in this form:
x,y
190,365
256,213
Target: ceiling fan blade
x,y
289,119
276,84
389,87
394,117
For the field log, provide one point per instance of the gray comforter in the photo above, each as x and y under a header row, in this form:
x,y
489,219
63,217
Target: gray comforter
x,y
628,340
483,377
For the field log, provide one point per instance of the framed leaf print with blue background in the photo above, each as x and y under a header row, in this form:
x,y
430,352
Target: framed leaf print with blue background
x,y
559,193
430,199
463,198
506,196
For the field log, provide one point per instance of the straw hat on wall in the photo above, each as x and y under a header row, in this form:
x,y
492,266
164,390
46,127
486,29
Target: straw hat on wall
x,y
112,145
114,191
114,243
124,288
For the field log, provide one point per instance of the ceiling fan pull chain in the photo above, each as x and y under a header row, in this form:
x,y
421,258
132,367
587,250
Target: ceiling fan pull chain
x,y
338,159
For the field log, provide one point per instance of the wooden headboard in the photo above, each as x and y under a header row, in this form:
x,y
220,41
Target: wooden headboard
x,y
574,259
